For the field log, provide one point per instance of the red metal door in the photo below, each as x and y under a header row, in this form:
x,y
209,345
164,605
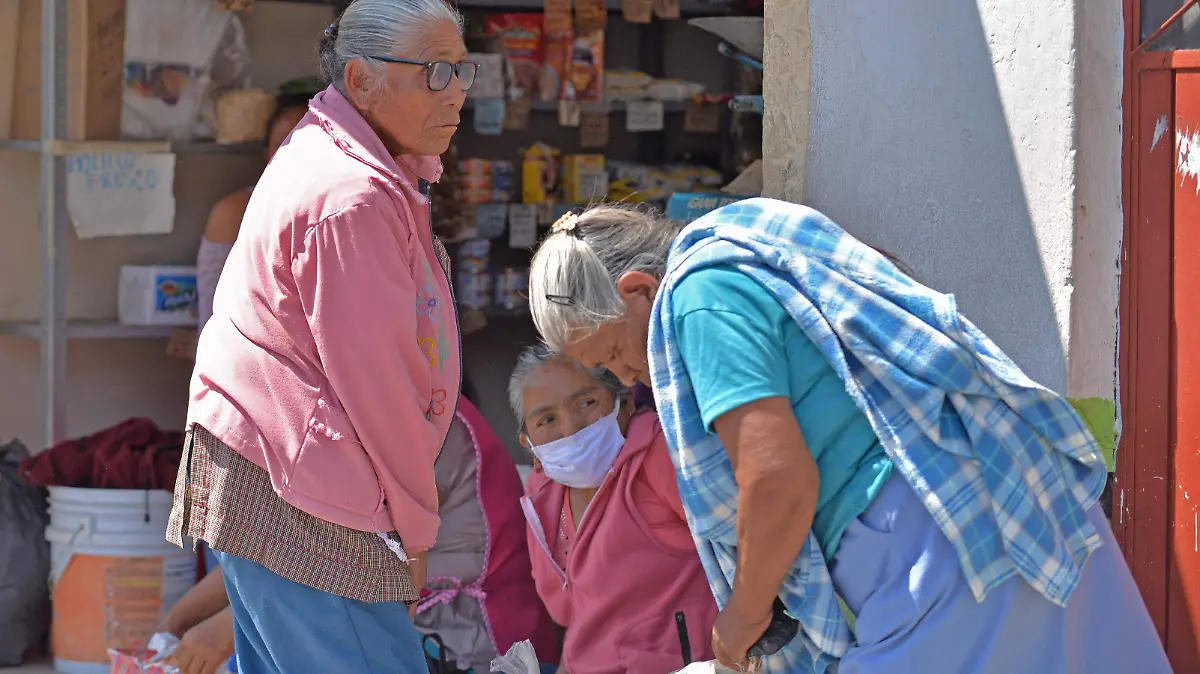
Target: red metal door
x,y
1183,598
1157,495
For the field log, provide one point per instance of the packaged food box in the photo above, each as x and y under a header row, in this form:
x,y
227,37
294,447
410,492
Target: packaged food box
x,y
485,181
557,66
688,206
585,81
157,295
584,179
540,175
519,38
489,79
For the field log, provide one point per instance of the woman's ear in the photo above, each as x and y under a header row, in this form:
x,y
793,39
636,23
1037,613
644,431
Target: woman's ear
x,y
523,438
358,84
639,285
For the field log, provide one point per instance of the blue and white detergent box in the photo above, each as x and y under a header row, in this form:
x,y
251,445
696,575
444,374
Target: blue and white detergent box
x,y
158,295
687,206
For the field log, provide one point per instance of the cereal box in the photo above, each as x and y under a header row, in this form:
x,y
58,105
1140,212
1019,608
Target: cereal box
x,y
519,38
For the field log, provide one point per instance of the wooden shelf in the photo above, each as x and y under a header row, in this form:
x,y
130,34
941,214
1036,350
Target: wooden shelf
x,y
90,329
669,107
64,147
686,7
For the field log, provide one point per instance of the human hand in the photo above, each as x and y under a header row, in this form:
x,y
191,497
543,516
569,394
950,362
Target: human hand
x,y
562,669
735,631
205,647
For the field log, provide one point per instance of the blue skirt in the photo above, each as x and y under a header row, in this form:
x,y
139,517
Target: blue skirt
x,y
900,576
281,627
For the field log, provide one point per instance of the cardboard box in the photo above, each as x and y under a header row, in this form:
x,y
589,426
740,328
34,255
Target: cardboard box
x,y
584,179
95,35
688,206
158,295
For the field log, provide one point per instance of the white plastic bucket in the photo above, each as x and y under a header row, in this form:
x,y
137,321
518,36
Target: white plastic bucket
x,y
112,572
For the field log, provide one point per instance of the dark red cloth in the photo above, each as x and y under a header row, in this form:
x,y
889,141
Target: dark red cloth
x,y
134,454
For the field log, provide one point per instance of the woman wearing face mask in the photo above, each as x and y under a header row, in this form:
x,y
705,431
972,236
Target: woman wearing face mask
x,y
612,556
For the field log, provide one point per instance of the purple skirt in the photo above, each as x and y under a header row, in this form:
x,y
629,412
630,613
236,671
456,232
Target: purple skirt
x,y
900,576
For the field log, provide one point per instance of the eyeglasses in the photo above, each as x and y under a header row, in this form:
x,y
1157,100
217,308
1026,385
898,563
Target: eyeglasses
x,y
439,73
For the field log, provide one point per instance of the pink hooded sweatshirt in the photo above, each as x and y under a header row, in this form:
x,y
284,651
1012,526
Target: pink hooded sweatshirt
x,y
332,356
632,565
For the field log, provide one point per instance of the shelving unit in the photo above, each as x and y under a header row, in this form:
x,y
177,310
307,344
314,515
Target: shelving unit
x,y
54,330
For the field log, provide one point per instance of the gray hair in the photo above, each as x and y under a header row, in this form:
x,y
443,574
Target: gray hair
x,y
573,276
371,28
538,355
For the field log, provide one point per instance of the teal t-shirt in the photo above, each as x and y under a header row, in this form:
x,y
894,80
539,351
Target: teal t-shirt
x,y
740,345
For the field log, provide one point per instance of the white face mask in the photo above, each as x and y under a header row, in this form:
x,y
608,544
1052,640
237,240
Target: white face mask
x,y
582,460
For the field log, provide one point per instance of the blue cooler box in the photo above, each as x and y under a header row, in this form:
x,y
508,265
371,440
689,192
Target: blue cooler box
x,y
687,206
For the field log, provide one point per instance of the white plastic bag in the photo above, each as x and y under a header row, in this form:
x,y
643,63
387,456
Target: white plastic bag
x,y
177,54
520,659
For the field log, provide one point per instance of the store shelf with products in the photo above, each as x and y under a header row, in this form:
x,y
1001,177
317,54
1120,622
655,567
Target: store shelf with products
x,y
669,51
669,65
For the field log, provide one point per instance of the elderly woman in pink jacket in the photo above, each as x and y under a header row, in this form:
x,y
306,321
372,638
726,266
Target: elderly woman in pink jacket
x,y
612,555
327,377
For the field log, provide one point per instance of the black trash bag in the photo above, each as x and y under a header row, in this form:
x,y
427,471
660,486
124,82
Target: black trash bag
x,y
24,560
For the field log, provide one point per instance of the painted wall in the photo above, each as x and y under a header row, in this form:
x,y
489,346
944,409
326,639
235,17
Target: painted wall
x,y
945,132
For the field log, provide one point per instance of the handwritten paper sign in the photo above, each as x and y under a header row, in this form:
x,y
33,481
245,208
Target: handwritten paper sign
x,y
489,116
568,113
522,225
702,118
516,114
666,9
490,220
637,11
644,116
121,193
593,129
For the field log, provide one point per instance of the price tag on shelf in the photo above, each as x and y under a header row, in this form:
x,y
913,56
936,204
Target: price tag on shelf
x,y
522,225
489,116
490,220
637,11
516,114
593,186
702,118
666,9
568,113
643,116
593,129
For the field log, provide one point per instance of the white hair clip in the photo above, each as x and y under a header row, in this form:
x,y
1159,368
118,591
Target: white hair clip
x,y
566,223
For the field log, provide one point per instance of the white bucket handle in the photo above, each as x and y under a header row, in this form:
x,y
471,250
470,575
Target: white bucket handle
x,y
86,526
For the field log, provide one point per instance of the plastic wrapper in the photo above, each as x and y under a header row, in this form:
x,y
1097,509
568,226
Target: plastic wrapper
x,y
520,659
148,660
585,81
519,37
178,54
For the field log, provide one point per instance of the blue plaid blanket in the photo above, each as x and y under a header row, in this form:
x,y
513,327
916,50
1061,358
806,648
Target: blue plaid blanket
x,y
1005,466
